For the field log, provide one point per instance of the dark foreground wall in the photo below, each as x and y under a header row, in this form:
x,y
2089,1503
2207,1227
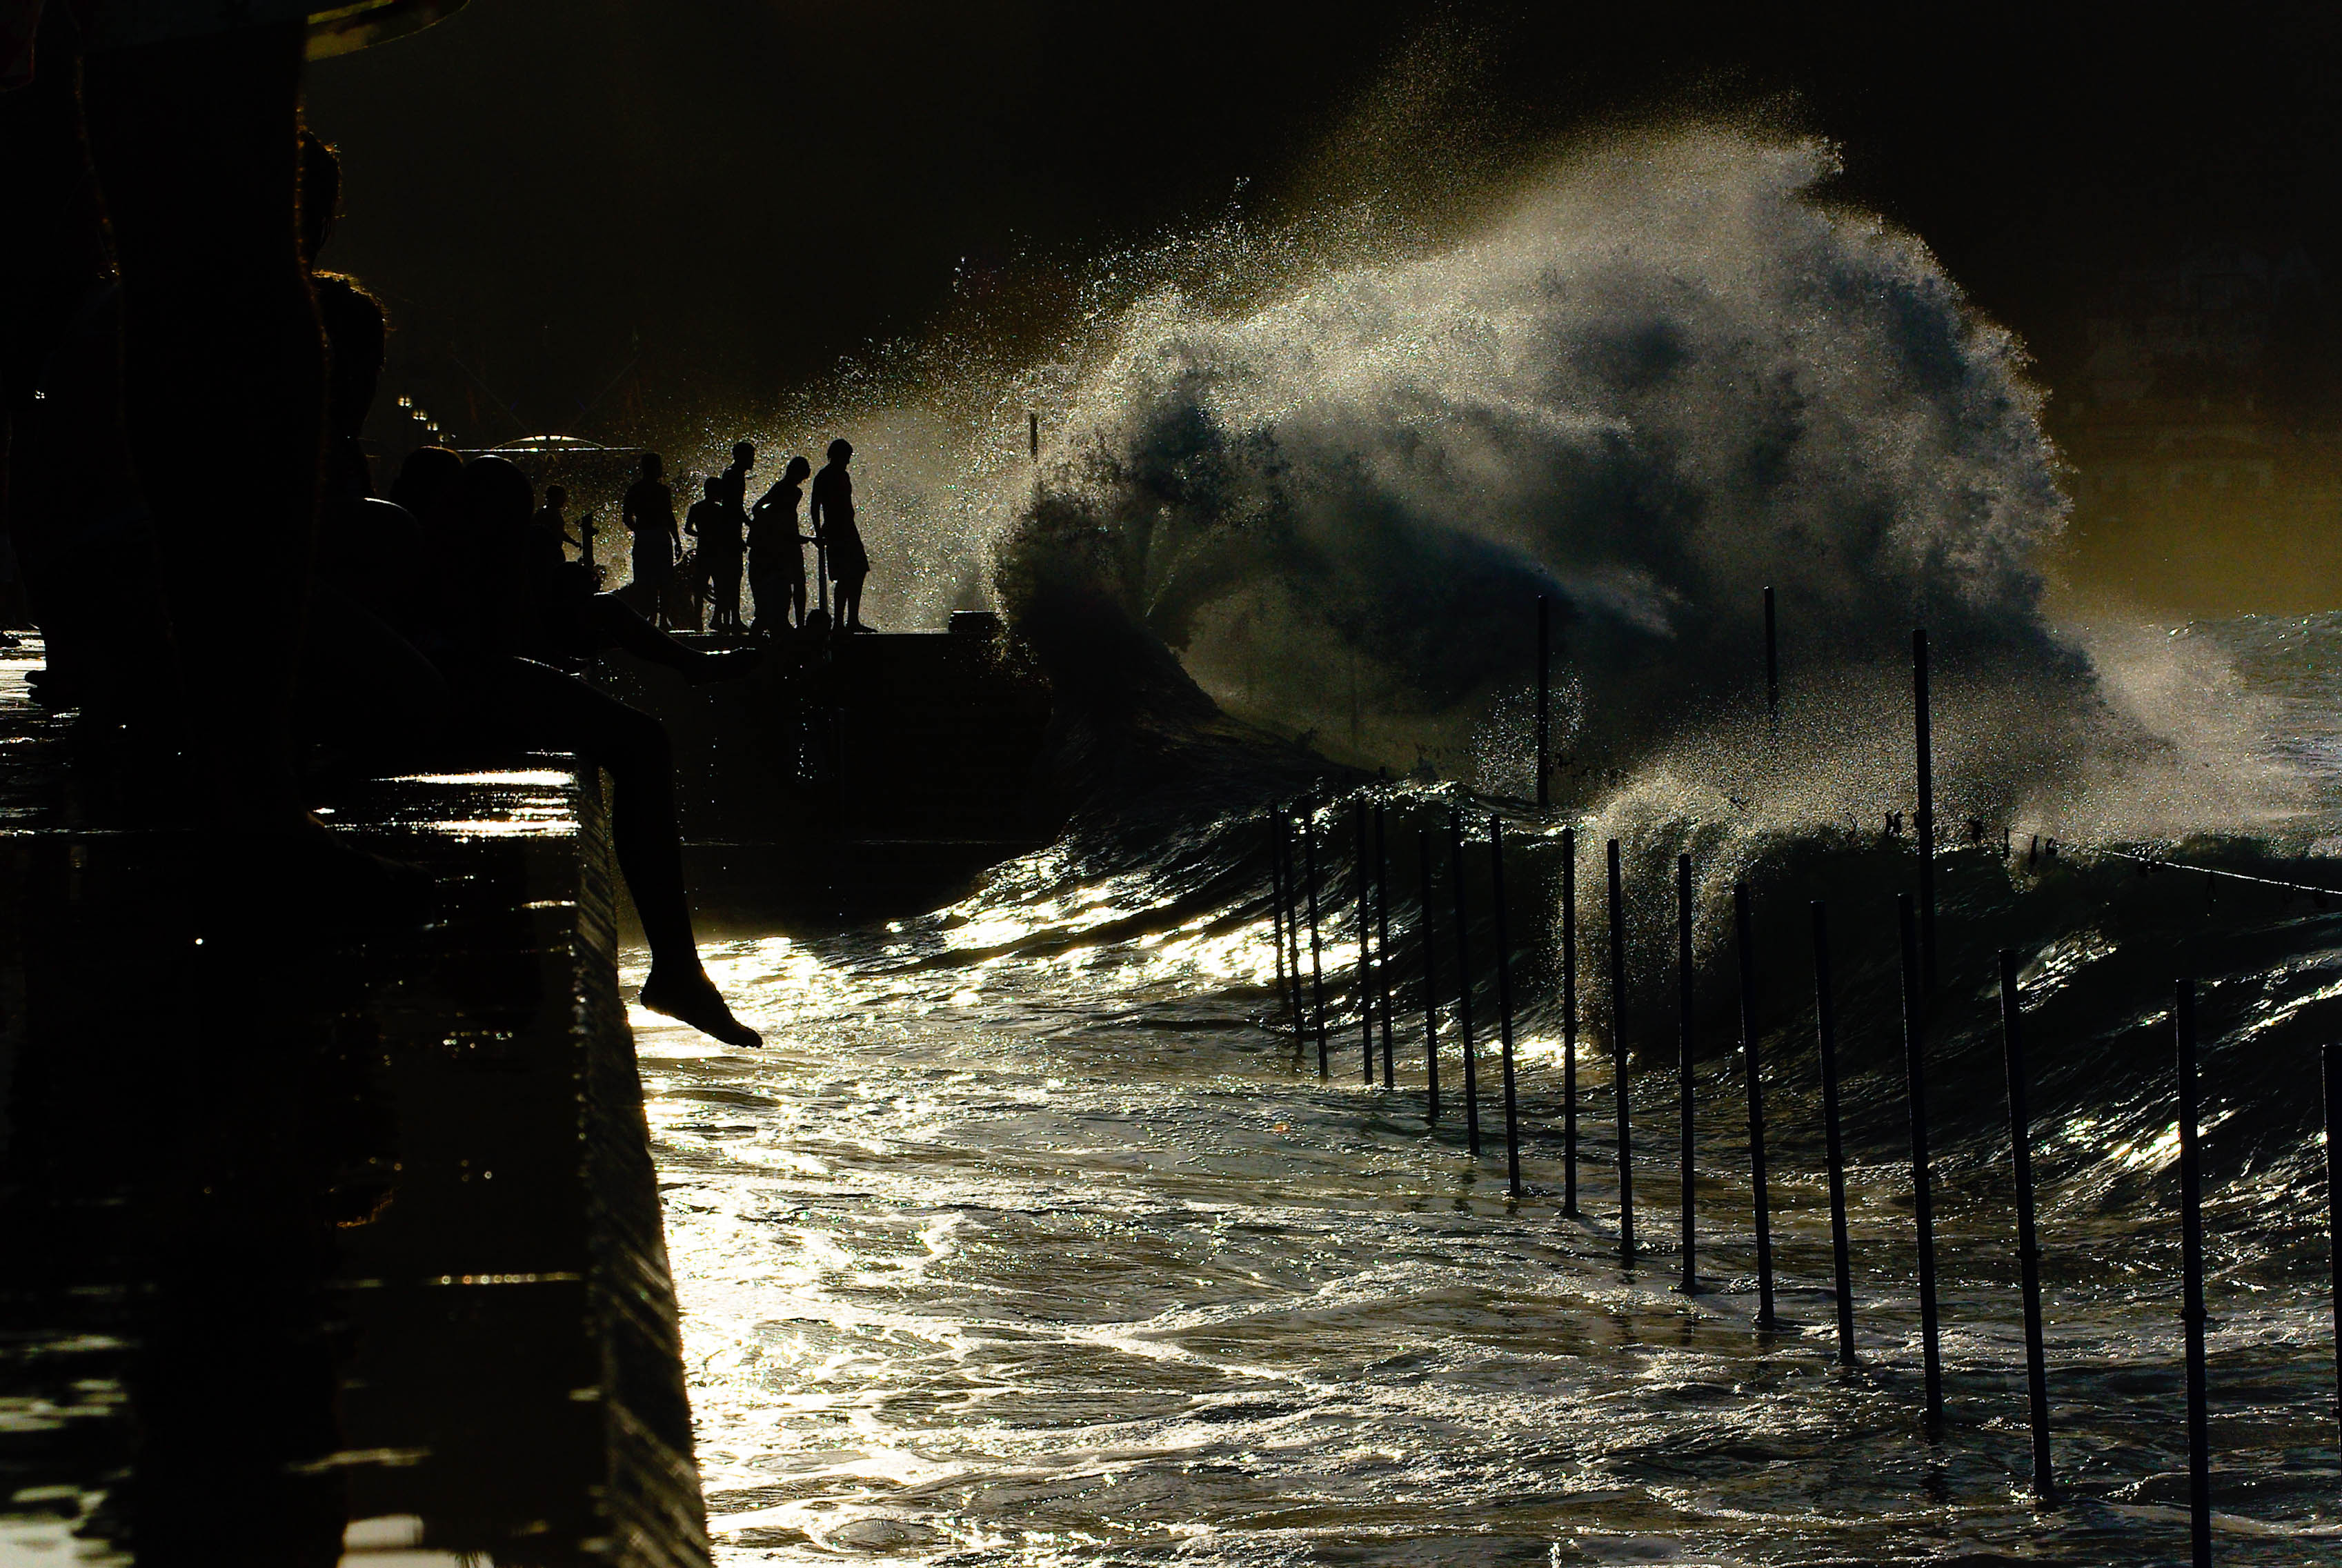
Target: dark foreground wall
x,y
311,1234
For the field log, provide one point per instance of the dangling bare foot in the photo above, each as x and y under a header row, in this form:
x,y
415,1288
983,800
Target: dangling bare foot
x,y
695,1000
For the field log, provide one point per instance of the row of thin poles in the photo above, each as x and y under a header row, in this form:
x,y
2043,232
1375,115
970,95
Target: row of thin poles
x,y
1915,921
1298,903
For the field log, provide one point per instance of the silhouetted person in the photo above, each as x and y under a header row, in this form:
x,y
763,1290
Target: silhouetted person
x,y
715,525
585,531
733,482
776,573
724,591
649,513
835,531
550,516
542,538
687,595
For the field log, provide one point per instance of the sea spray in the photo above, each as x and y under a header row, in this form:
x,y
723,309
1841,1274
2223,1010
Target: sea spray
x,y
1669,375
1322,491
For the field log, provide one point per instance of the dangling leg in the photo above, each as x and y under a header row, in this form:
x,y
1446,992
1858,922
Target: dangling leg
x,y
538,704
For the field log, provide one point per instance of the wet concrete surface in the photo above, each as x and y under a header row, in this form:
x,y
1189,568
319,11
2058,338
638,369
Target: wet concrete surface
x,y
321,1242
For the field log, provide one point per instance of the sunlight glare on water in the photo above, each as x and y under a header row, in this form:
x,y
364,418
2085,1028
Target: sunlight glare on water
x,y
1025,1241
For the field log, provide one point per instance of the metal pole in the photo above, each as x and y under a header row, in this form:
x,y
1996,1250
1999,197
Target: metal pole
x,y
2332,1073
1317,957
1430,980
1925,747
1746,940
1503,1003
1923,1209
1277,908
1826,1030
1292,927
2191,1264
1689,1243
1033,430
1618,1059
1545,702
1288,875
1382,940
1772,660
1464,990
1366,946
2029,1252
1569,1021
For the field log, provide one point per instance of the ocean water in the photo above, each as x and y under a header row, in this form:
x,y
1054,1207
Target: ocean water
x,y
1031,1237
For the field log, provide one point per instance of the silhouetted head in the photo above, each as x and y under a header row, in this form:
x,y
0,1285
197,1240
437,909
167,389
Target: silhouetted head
x,y
321,194
429,483
743,453
651,466
556,497
840,450
496,494
712,486
797,469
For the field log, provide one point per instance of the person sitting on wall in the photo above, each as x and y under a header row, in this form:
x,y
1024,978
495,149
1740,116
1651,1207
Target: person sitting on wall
x,y
509,696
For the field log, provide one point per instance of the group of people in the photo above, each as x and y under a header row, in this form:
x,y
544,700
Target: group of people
x,y
730,538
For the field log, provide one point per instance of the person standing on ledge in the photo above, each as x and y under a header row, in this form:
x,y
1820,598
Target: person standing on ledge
x,y
720,539
714,526
650,515
777,573
835,531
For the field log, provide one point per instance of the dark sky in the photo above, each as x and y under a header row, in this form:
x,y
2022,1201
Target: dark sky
x,y
741,191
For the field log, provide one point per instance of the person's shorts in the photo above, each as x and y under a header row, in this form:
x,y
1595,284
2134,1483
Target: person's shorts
x,y
783,569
